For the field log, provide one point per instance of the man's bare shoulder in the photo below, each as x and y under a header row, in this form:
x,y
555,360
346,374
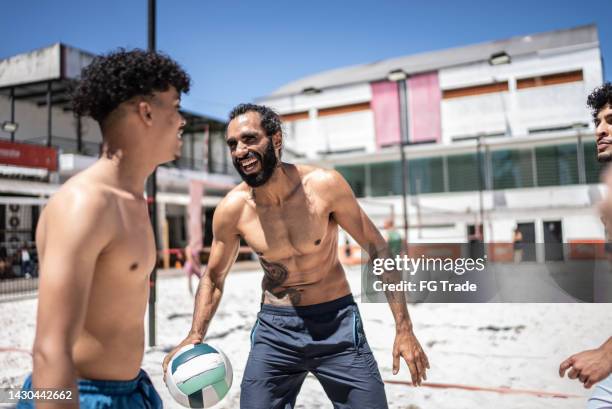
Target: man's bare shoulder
x,y
322,180
81,198
230,208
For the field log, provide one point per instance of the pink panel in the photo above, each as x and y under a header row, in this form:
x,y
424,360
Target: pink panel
x,y
196,191
424,99
385,106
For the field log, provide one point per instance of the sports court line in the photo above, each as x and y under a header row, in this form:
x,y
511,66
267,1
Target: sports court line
x,y
503,390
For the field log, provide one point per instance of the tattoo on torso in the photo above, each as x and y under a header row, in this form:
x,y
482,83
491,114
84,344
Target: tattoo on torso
x,y
275,275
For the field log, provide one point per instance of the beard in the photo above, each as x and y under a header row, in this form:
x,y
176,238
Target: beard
x,y
604,157
268,164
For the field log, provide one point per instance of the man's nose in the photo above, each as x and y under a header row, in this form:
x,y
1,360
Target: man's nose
x,y
241,150
602,130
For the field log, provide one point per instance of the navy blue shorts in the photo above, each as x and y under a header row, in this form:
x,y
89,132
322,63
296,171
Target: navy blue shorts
x,y
326,340
137,393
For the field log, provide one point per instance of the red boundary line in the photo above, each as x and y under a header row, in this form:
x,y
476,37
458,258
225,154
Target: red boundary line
x,y
10,349
503,390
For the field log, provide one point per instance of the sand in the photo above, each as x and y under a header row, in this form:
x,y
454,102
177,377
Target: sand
x,y
518,346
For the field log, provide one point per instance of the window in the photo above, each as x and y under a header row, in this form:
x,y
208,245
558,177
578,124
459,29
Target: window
x,y
296,116
344,109
592,167
355,176
463,173
475,90
512,169
551,79
386,178
426,175
557,165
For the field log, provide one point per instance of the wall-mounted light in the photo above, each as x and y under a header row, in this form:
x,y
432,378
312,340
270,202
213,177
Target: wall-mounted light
x,y
8,126
500,58
311,91
397,75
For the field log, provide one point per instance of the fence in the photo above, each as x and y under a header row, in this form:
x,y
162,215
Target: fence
x,y
18,256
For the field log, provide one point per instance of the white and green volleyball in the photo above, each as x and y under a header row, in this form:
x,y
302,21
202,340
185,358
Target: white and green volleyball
x,y
199,376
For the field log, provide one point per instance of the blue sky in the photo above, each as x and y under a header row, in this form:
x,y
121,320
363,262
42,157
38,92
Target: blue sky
x,y
237,51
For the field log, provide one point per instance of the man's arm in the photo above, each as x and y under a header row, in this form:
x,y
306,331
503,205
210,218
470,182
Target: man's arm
x,y
349,215
589,366
73,235
223,253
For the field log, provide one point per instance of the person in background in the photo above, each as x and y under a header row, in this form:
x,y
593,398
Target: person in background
x,y
517,240
394,239
25,261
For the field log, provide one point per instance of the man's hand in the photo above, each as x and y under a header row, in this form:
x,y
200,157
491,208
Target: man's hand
x,y
189,340
589,366
408,347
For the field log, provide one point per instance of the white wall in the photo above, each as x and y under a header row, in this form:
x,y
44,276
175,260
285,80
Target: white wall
x,y
583,226
472,115
319,134
445,216
347,131
550,106
345,95
301,137
539,107
38,65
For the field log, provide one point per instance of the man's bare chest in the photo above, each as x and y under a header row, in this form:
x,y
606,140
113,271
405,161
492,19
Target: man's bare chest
x,y
133,245
294,229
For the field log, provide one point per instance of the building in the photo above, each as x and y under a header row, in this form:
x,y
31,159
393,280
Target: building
x,y
42,143
496,134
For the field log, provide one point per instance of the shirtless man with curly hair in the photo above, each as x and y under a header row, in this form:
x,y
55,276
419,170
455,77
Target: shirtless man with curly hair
x,y
95,240
594,367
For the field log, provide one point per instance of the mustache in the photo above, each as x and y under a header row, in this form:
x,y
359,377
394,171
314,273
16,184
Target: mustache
x,y
250,155
268,162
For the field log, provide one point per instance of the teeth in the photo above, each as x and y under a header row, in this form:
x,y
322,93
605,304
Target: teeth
x,y
248,162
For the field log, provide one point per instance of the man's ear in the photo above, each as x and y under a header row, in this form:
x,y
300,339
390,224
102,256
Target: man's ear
x,y
145,112
277,140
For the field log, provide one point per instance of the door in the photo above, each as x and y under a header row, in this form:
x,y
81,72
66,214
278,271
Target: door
x,y
528,232
553,240
475,243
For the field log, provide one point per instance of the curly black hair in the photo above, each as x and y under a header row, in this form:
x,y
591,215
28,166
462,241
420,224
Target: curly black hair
x,y
599,98
120,75
270,120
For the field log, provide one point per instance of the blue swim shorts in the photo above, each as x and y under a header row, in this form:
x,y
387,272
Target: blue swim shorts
x,y
137,393
326,340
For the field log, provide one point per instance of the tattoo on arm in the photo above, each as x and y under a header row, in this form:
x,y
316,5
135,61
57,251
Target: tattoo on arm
x,y
275,275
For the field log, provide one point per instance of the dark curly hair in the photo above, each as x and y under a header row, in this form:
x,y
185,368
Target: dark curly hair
x,y
270,120
599,98
120,75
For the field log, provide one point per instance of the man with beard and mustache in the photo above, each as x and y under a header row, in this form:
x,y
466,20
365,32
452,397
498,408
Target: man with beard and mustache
x,y
289,215
595,365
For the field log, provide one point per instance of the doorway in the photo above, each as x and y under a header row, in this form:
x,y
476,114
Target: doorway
x,y
553,240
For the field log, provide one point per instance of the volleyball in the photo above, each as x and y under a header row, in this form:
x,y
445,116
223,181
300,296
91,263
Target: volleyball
x,y
199,376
